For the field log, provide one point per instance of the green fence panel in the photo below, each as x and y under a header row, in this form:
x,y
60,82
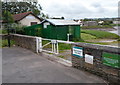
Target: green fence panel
x,y
34,30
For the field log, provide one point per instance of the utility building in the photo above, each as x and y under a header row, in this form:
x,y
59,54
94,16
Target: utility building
x,y
59,29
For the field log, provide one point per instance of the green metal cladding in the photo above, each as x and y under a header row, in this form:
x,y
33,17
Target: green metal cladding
x,y
58,32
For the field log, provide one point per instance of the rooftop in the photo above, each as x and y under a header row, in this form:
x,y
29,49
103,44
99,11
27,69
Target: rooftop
x,y
61,22
20,16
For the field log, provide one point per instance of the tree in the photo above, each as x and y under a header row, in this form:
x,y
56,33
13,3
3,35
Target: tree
x,y
0,10
7,17
20,7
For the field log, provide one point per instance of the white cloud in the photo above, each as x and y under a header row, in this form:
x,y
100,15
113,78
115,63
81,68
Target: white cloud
x,y
72,9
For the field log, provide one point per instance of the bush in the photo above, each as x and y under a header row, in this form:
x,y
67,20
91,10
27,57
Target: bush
x,y
4,43
3,31
20,29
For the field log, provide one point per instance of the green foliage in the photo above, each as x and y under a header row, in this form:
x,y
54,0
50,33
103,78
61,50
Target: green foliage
x,y
119,39
20,29
101,34
115,24
3,31
0,10
20,7
61,47
85,36
64,46
7,17
4,43
61,56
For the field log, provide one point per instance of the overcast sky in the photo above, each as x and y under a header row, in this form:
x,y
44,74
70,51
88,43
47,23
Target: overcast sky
x,y
77,9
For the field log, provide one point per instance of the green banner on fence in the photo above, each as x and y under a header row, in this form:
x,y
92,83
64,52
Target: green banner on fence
x,y
110,59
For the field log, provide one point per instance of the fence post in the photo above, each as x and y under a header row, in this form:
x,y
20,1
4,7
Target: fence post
x,y
37,45
40,44
57,48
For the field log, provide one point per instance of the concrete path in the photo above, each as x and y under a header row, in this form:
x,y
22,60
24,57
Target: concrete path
x,y
23,66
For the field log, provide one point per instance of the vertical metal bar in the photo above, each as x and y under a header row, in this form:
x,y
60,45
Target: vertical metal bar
x,y
68,37
8,31
8,38
36,45
52,47
57,48
40,44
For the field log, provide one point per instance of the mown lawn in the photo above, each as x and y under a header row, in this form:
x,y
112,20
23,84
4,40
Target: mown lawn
x,y
101,34
97,26
85,36
99,37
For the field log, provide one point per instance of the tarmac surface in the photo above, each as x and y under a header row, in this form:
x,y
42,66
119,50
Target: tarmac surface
x,y
20,65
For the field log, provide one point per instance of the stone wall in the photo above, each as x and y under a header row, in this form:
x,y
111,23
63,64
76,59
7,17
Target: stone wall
x,y
3,36
24,41
109,73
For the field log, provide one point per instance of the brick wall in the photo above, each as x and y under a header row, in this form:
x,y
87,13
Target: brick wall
x,y
109,73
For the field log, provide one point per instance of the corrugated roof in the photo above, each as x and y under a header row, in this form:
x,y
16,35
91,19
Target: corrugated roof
x,y
62,22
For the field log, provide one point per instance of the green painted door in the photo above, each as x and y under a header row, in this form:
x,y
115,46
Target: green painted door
x,y
61,32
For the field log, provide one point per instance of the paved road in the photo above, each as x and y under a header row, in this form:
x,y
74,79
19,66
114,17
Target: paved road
x,y
23,66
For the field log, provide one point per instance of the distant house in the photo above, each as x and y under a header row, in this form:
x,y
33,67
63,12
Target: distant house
x,y
116,22
100,22
26,19
56,29
89,23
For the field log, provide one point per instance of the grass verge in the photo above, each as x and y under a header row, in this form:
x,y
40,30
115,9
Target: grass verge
x,y
101,34
4,43
98,26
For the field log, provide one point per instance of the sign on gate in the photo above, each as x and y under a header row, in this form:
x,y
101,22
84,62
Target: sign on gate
x,y
54,41
110,59
78,51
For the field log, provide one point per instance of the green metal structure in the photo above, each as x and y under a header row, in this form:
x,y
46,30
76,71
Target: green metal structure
x,y
55,29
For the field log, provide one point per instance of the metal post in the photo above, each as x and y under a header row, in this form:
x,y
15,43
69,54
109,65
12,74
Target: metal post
x,y
57,48
40,44
68,37
8,37
37,45
8,30
52,47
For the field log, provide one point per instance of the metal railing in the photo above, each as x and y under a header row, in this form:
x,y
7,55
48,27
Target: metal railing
x,y
54,43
